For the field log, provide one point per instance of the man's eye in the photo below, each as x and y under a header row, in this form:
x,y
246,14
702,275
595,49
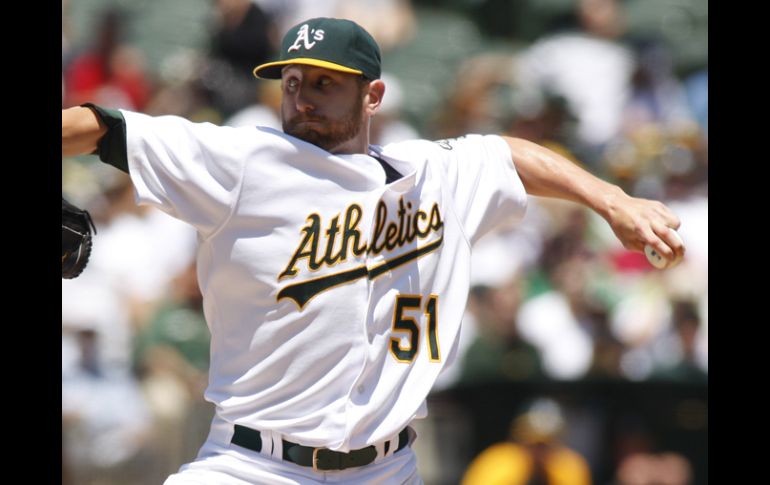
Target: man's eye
x,y
324,81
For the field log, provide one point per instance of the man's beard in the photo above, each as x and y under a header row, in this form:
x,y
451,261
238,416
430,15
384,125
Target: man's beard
x,y
334,134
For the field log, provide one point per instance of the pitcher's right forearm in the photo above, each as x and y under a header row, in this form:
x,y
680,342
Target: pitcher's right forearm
x,y
81,131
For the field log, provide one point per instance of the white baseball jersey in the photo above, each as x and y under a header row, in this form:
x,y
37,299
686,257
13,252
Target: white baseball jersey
x,y
334,299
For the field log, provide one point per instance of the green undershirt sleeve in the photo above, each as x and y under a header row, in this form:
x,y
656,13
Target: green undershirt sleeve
x,y
112,147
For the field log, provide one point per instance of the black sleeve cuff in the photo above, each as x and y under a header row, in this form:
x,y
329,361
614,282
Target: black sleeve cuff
x,y
112,147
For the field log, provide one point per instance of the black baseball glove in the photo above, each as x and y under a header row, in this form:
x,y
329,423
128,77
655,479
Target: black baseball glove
x,y
76,226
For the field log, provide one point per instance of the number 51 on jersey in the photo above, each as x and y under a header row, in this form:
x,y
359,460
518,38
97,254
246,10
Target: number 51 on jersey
x,y
407,309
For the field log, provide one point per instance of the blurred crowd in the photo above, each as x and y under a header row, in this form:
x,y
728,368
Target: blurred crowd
x,y
619,87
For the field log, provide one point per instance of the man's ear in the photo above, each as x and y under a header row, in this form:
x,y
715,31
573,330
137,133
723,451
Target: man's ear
x,y
374,96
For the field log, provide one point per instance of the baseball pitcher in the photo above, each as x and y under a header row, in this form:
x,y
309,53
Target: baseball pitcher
x,y
334,272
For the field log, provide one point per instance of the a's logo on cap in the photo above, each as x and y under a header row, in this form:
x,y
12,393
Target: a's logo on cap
x,y
303,35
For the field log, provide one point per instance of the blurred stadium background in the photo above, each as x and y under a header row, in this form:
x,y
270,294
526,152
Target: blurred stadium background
x,y
570,343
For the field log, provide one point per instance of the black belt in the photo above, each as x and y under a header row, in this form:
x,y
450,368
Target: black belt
x,y
317,458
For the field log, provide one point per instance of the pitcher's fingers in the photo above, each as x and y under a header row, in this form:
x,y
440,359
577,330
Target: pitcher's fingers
x,y
669,243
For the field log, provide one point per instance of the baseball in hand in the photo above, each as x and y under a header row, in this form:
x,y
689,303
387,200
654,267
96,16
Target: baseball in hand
x,y
658,260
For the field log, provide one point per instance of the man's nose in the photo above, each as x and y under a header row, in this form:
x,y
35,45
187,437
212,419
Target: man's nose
x,y
303,102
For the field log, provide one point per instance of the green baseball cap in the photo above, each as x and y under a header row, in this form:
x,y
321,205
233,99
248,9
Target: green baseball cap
x,y
337,44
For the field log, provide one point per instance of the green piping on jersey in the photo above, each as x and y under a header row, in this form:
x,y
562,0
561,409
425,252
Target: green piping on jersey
x,y
112,147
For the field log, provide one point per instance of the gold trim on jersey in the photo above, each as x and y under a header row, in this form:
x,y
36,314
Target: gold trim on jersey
x,y
349,238
317,246
329,246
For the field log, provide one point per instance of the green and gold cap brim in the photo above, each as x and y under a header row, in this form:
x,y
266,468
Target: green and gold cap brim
x,y
272,70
